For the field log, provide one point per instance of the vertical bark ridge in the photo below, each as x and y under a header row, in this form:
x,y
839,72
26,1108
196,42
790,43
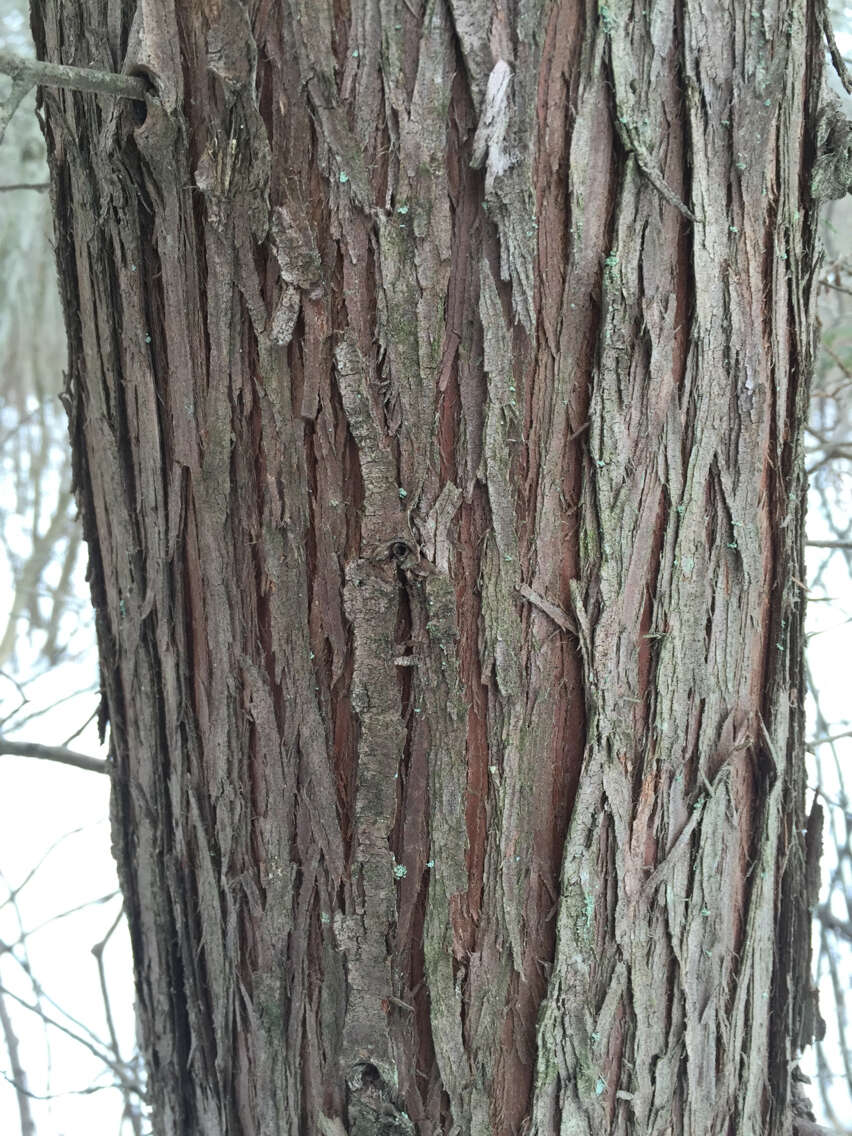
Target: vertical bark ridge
x,y
436,398
617,1059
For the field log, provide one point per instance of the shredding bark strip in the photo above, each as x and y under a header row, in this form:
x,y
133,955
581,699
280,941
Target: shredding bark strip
x,y
437,377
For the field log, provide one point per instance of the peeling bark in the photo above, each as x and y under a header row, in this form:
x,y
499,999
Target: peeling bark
x,y
437,376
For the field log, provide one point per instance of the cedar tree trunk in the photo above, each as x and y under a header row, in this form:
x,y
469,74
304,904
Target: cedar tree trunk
x,y
438,371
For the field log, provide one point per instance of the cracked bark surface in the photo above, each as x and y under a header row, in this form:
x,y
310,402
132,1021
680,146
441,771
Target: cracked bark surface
x,y
437,374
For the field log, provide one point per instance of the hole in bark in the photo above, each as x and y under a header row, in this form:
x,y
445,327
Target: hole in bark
x,y
365,1076
139,112
138,109
370,1076
399,550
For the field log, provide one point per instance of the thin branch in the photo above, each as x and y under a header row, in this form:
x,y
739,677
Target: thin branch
x,y
37,72
28,73
827,740
59,1096
834,357
39,713
22,694
836,453
834,50
835,287
97,902
54,753
829,543
22,959
39,186
844,808
119,1071
98,952
840,1041
80,729
19,1076
10,104
131,1112
42,996
16,891
830,921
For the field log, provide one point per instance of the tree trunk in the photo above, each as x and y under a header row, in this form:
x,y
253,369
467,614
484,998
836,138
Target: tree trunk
x,y
437,380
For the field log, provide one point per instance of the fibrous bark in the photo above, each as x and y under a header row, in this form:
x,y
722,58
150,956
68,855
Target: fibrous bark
x,y
437,378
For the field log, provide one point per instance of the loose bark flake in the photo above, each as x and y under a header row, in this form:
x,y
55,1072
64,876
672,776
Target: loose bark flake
x,y
436,382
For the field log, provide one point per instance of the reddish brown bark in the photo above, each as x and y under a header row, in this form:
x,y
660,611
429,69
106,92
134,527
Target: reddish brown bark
x,y
437,378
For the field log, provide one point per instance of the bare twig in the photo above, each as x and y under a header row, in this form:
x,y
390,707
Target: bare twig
x,y
836,453
98,952
19,1076
119,1069
827,740
87,1092
54,753
37,72
39,712
98,901
130,1110
830,921
40,186
28,73
835,287
14,892
80,729
835,52
834,357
